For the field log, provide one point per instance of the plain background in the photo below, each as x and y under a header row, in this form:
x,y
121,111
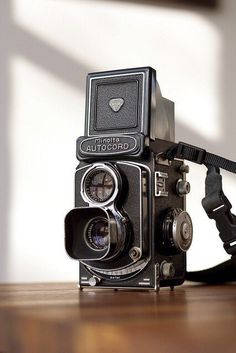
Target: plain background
x,y
46,49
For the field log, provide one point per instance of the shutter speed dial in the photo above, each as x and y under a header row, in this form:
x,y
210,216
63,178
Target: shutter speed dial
x,y
177,230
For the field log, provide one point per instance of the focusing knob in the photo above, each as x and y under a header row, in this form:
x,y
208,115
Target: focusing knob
x,y
182,187
167,269
177,230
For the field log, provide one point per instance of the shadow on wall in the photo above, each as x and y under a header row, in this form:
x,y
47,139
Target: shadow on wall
x,y
16,40
224,22
222,15
226,25
4,146
174,3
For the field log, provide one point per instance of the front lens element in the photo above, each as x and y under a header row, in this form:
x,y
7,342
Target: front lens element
x,y
97,234
99,185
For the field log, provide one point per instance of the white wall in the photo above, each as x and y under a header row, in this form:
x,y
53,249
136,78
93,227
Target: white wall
x,y
48,46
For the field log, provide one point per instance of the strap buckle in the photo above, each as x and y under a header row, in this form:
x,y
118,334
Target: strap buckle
x,y
230,248
217,207
221,209
191,153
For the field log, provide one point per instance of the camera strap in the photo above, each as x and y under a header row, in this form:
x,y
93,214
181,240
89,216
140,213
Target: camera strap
x,y
216,206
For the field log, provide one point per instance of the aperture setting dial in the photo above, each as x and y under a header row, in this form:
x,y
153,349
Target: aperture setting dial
x,y
177,230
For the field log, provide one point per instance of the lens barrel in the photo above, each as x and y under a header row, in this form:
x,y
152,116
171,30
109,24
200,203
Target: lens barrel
x,y
100,185
97,234
93,233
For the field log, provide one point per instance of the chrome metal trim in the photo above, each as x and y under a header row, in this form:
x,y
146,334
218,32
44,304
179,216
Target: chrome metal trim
x,y
107,153
121,271
151,229
159,193
137,165
121,288
157,275
163,161
110,170
110,76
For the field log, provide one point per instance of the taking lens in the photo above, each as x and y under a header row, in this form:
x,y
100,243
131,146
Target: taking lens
x,y
97,234
99,185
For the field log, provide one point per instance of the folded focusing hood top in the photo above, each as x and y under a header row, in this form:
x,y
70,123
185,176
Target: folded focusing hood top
x,y
124,110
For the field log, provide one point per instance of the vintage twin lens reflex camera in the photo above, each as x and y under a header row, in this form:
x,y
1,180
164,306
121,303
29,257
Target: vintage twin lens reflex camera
x,y
129,227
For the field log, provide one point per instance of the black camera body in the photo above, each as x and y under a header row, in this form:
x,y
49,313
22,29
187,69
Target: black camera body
x,y
129,227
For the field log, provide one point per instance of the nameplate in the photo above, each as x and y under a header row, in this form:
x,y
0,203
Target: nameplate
x,y
107,145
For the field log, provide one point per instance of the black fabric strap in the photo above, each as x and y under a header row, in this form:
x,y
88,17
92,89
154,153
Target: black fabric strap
x,y
222,273
217,207
200,156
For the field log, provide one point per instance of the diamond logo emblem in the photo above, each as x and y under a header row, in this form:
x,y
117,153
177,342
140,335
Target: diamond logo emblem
x,y
116,104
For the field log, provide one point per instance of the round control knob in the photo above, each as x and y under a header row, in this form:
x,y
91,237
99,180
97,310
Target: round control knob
x,y
167,269
177,230
182,187
135,253
93,281
184,168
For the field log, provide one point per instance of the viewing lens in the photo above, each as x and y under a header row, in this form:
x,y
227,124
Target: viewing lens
x,y
96,234
99,185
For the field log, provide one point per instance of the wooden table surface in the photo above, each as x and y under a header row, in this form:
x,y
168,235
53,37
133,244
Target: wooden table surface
x,y
57,318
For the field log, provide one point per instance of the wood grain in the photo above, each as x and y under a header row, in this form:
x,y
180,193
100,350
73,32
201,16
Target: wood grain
x,y
57,318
